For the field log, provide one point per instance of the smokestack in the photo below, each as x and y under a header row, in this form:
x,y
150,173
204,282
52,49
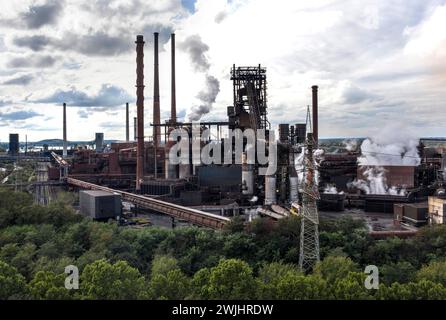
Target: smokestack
x,y
156,95
173,108
135,128
64,130
127,124
315,115
140,110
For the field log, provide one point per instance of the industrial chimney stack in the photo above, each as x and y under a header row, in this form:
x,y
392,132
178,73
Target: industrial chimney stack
x,y
140,110
315,115
135,128
156,96
173,108
64,130
127,124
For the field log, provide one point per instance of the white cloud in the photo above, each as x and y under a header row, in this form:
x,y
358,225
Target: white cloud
x,y
374,61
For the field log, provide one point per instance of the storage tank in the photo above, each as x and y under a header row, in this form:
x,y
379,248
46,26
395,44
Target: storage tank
x,y
270,190
294,189
247,176
293,177
284,132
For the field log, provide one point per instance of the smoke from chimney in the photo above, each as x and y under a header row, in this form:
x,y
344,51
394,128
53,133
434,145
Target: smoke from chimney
x,y
207,97
197,49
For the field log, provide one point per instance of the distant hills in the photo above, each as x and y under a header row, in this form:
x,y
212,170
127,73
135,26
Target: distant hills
x,y
54,143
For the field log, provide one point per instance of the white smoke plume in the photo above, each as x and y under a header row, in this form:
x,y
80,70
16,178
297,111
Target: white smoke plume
x,y
207,97
376,183
318,156
392,147
331,189
351,144
197,49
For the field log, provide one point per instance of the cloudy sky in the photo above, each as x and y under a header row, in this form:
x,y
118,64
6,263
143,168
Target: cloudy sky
x,y
377,63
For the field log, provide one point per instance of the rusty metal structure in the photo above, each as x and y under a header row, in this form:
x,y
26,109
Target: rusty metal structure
x,y
250,101
173,99
315,113
156,94
135,128
127,125
64,129
140,110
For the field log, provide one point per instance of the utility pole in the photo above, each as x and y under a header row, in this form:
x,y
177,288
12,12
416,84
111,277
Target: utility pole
x,y
309,232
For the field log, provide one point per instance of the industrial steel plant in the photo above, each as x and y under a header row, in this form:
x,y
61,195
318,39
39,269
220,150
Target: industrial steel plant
x,y
243,172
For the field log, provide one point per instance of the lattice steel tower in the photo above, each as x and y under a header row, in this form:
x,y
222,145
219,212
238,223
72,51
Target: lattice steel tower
x,y
309,232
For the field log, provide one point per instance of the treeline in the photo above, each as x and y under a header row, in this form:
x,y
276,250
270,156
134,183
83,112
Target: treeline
x,y
260,262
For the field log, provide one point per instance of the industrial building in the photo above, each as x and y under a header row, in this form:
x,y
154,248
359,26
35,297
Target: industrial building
x,y
143,171
100,205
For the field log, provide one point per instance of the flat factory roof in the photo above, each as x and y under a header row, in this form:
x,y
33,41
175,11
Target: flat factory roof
x,y
98,193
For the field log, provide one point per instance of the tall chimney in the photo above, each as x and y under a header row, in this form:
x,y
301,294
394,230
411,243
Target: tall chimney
x,y
135,128
173,108
315,115
64,130
140,110
156,95
127,124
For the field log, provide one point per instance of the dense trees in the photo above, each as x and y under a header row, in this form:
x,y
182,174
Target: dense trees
x,y
258,261
47,285
12,283
103,280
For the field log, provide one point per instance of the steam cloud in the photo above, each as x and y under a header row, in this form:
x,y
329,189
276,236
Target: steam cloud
x,y
377,183
207,97
350,144
331,189
393,147
196,49
299,164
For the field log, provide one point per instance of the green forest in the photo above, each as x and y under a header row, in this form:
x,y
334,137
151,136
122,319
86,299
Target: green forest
x,y
254,261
